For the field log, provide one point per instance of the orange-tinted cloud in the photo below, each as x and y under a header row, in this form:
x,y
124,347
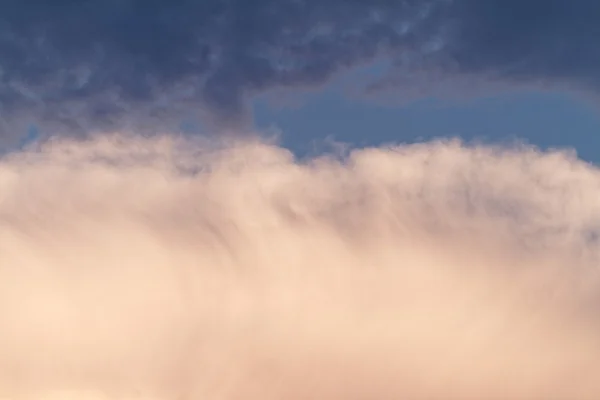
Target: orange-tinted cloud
x,y
173,268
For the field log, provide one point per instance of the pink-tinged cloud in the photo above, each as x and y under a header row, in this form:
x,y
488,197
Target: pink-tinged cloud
x,y
171,268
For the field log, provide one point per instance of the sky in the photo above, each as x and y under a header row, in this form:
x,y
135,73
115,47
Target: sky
x,y
299,199
545,119
76,67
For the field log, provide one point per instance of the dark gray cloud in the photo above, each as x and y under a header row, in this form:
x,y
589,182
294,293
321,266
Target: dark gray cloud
x,y
103,63
546,40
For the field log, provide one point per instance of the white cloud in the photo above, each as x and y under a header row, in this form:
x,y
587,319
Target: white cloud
x,y
170,268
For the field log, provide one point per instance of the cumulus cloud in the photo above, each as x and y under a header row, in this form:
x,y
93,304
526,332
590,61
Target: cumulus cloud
x,y
107,64
170,268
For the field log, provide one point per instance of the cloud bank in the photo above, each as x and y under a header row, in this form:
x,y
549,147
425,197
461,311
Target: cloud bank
x,y
171,268
102,65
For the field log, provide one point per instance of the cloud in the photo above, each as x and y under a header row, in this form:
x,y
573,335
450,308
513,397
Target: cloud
x,y
101,65
167,268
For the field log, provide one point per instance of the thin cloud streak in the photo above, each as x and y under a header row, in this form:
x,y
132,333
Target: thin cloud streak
x,y
167,268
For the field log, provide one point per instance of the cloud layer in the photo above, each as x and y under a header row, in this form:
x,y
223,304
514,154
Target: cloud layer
x,y
172,268
107,64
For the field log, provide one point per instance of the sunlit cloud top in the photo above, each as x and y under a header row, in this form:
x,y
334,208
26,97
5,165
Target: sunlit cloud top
x,y
167,268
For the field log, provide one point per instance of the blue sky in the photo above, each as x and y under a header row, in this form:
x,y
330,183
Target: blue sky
x,y
543,119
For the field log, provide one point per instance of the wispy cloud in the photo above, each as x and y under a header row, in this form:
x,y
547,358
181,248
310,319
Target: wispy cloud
x,y
173,268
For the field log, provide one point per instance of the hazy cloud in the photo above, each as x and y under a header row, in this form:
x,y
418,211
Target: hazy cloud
x,y
173,268
105,64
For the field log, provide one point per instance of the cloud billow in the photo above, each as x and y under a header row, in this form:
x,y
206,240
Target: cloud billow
x,y
165,268
109,64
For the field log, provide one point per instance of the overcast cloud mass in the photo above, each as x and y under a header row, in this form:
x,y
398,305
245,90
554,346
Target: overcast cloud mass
x,y
104,64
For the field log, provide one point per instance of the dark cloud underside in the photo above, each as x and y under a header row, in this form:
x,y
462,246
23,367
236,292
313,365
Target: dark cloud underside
x,y
531,39
104,63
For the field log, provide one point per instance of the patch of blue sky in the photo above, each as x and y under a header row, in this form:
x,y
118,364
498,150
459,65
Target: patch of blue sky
x,y
547,120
